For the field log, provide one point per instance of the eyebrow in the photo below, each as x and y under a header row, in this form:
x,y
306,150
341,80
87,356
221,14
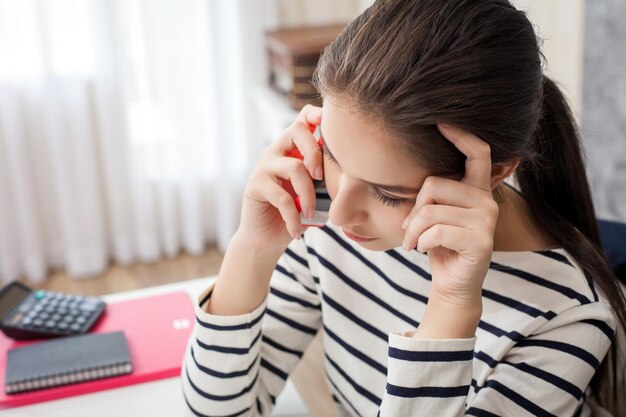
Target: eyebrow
x,y
401,189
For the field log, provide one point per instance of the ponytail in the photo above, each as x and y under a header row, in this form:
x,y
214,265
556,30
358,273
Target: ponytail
x,y
554,183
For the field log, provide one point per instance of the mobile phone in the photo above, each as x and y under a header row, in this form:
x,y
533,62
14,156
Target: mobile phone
x,y
322,206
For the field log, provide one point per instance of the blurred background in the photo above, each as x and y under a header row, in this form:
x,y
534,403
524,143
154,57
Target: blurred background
x,y
128,128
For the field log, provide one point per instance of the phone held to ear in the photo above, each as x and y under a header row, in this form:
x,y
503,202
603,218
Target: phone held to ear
x,y
322,199
322,206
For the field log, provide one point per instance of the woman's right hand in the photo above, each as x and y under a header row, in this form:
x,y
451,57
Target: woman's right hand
x,y
269,217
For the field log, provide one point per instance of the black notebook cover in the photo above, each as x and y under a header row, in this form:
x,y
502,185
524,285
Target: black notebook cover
x,y
67,360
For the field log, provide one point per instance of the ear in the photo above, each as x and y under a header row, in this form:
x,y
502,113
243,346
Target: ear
x,y
501,171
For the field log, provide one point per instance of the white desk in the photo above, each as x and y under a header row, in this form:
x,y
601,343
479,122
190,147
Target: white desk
x,y
157,398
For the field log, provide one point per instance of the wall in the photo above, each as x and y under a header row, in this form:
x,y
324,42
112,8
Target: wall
x,y
604,99
560,26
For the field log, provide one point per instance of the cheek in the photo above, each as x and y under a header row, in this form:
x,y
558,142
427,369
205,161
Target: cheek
x,y
391,218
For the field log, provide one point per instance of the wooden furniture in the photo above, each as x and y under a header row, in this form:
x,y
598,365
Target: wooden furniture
x,y
292,56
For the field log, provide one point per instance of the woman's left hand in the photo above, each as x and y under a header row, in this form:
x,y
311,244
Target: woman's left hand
x,y
454,222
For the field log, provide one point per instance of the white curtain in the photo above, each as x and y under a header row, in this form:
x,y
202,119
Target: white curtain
x,y
126,131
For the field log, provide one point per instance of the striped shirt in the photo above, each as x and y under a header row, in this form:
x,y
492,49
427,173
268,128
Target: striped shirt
x,y
543,333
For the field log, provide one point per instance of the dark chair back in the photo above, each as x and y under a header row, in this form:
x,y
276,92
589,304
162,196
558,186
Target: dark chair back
x,y
613,235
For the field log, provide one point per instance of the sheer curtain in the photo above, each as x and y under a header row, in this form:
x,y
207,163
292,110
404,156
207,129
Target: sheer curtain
x,y
126,132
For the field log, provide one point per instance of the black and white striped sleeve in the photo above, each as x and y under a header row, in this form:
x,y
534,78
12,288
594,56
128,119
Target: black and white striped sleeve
x,y
544,374
548,372
237,365
427,377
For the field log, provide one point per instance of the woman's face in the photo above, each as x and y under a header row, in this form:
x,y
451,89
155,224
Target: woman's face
x,y
372,184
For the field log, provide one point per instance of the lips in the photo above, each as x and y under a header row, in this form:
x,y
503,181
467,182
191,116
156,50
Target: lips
x,y
358,238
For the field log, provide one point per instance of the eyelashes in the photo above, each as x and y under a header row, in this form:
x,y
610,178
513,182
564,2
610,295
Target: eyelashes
x,y
327,154
391,202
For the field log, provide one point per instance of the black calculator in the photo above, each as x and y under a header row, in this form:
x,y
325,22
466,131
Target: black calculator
x,y
26,313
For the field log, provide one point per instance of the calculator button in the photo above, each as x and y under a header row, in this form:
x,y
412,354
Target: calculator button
x,y
81,320
68,318
56,317
44,316
25,307
27,321
50,309
74,312
88,307
63,326
62,310
51,324
38,323
75,327
40,295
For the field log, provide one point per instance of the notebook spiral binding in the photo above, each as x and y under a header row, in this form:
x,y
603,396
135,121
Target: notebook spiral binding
x,y
69,378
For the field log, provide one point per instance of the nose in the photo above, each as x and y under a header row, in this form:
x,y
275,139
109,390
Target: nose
x,y
348,206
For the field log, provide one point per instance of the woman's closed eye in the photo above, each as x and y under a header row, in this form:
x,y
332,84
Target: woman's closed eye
x,y
390,201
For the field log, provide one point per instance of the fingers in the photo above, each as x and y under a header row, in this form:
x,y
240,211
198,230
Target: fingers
x,y
310,115
293,171
455,238
478,153
300,136
439,190
433,214
278,197
446,202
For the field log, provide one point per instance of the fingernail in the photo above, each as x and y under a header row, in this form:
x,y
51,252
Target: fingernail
x,y
319,173
405,223
445,126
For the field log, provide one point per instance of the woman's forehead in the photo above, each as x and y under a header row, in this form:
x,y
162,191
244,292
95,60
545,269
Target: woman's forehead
x,y
365,151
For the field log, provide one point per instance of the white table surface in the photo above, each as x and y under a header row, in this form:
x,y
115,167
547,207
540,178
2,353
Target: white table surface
x,y
156,398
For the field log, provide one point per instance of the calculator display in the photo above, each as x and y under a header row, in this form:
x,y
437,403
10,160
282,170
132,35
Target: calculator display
x,y
11,297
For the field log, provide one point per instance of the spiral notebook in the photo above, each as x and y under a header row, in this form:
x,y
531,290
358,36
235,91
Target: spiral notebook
x,y
67,360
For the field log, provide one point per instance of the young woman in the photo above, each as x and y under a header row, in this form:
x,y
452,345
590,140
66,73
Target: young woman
x,y
441,290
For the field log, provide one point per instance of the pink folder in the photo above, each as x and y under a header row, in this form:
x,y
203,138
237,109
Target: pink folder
x,y
157,329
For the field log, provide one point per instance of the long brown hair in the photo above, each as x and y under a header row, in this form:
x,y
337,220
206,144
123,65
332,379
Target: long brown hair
x,y
477,64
